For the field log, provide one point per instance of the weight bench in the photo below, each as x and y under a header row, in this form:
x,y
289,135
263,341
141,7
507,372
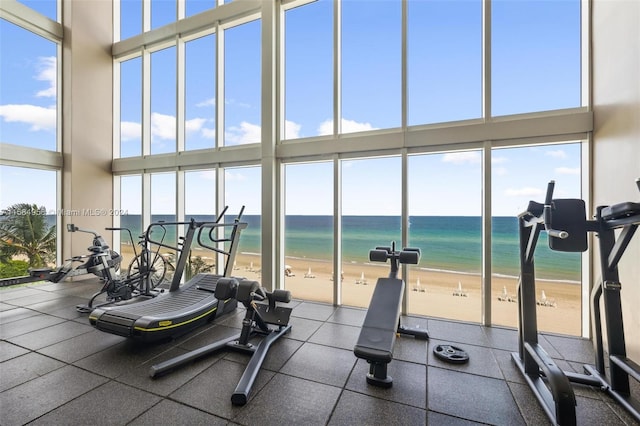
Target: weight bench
x,y
382,322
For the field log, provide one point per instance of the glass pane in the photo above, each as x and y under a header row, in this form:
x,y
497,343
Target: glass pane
x,y
200,204
242,84
28,105
163,208
48,8
200,93
163,101
130,18
38,204
444,51
371,65
242,187
309,70
535,56
163,12
196,6
445,200
131,108
518,176
130,202
371,210
309,231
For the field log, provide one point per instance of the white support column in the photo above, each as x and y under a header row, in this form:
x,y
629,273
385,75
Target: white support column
x,y
486,234
337,231
269,246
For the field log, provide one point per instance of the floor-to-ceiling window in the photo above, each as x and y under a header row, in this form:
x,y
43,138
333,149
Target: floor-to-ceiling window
x,y
407,99
30,163
445,209
371,217
308,229
520,175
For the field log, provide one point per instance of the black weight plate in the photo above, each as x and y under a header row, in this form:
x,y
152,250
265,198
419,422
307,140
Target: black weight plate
x,y
451,354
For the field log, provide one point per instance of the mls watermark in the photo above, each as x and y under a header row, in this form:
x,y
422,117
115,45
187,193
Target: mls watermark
x,y
64,212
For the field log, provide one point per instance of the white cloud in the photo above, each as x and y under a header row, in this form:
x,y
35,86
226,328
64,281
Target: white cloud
x,y
556,154
194,125
291,129
348,126
499,171
162,126
208,133
499,160
130,131
39,118
207,102
208,174
463,157
526,191
47,71
568,171
234,176
246,133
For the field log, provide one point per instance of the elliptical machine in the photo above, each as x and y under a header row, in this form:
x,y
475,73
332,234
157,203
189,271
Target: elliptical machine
x,y
565,222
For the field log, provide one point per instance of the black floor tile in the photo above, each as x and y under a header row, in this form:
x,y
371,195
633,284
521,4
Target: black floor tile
x,y
172,413
502,338
26,325
51,335
16,313
9,350
302,329
32,299
529,406
76,348
290,400
7,295
315,311
322,364
572,349
357,409
348,316
170,381
471,397
30,400
410,349
438,419
24,368
409,383
337,335
211,390
112,403
457,332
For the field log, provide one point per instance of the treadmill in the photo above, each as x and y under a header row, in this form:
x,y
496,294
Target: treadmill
x,y
183,307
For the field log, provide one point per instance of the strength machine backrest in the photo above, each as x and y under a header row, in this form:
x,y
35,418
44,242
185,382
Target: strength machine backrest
x,y
569,215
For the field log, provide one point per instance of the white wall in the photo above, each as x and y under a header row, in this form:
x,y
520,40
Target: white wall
x,y
616,148
87,182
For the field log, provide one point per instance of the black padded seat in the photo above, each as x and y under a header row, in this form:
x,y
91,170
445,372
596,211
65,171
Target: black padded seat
x,y
378,334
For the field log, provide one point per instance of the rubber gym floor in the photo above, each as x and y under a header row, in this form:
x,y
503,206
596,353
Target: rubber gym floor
x,y
57,369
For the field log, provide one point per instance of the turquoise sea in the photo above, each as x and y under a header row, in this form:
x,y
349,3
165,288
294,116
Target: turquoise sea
x,y
448,243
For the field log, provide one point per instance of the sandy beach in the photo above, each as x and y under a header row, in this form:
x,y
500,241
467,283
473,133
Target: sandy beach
x,y
430,293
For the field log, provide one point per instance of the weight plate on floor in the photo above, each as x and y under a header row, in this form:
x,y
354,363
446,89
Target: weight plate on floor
x,y
451,354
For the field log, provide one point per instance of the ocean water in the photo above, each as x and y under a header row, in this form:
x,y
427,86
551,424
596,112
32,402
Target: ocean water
x,y
448,243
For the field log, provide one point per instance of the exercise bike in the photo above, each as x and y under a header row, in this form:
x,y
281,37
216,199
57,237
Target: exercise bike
x,y
566,225
91,263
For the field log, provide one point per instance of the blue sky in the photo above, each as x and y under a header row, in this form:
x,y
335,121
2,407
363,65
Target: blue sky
x,y
536,66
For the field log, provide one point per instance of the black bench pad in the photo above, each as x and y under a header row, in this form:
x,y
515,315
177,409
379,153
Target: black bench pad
x,y
378,333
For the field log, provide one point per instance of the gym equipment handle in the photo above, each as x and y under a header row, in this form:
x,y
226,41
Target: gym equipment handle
x,y
548,207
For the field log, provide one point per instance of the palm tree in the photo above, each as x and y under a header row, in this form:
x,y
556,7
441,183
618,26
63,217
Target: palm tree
x,y
24,230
